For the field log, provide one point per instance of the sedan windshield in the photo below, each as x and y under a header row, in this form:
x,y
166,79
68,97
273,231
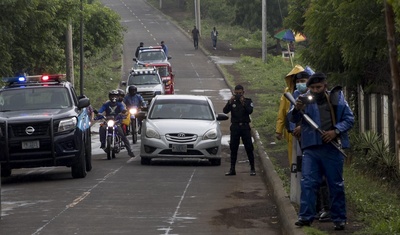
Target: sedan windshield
x,y
181,109
34,98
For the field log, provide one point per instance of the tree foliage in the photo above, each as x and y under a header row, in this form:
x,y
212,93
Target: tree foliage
x,y
33,37
347,39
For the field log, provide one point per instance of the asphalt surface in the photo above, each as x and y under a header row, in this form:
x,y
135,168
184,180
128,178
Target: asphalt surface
x,y
168,197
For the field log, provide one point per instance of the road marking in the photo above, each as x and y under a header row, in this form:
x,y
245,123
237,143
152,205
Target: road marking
x,y
77,200
174,216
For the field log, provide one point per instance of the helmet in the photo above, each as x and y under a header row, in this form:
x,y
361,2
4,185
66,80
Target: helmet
x,y
113,96
121,95
132,90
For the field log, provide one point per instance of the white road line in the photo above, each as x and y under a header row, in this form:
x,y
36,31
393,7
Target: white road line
x,y
174,216
77,200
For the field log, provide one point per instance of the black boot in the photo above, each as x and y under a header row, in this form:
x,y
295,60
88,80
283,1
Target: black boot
x,y
231,171
252,171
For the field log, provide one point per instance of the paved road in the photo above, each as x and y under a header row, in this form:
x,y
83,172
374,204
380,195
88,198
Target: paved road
x,y
123,197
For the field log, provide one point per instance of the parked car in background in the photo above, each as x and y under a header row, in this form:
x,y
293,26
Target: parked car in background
x,y
181,126
148,82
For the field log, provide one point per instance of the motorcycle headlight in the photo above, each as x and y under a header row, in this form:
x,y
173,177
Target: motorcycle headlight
x,y
67,124
151,133
110,123
132,111
210,134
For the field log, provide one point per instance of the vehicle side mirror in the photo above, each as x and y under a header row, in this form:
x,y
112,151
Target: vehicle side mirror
x,y
134,59
169,57
141,115
123,83
83,102
222,117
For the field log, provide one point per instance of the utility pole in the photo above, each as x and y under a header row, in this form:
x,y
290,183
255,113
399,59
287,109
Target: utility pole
x,y
395,72
197,15
160,4
69,55
81,51
264,31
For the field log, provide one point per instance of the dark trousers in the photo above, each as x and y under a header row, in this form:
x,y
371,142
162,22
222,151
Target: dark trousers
x,y
214,41
196,42
120,132
244,132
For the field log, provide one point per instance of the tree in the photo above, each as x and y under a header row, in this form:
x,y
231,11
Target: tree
x,y
33,33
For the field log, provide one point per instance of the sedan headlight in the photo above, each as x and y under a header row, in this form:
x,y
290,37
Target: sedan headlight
x,y
151,133
67,124
210,134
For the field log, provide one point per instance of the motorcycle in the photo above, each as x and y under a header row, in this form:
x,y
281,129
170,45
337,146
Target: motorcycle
x,y
114,142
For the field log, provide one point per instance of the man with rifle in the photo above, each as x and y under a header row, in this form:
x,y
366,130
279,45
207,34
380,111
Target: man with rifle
x,y
325,119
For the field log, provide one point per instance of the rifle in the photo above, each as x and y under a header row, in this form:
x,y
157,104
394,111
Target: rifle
x,y
307,118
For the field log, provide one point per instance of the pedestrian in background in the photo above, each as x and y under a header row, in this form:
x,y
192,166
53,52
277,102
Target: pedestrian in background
x,y
240,108
214,36
164,47
141,44
331,112
195,35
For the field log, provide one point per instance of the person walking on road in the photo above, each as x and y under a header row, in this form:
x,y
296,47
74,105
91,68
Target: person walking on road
x,y
240,108
141,44
331,112
164,47
195,35
214,36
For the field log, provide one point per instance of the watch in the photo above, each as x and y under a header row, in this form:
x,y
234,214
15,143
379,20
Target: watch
x,y
337,131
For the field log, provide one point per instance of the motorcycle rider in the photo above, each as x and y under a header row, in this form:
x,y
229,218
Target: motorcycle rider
x,y
112,108
134,100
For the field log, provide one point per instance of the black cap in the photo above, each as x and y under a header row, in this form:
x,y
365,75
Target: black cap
x,y
301,75
239,87
316,78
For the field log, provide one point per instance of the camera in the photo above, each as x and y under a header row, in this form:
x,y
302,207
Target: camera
x,y
307,99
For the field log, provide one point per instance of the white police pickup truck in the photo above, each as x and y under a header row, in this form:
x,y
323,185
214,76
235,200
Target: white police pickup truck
x,y
43,123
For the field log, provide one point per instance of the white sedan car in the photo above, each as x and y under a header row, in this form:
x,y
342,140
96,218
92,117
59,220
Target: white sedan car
x,y
181,126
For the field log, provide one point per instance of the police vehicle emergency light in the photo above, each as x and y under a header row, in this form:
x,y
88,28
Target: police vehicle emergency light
x,y
43,123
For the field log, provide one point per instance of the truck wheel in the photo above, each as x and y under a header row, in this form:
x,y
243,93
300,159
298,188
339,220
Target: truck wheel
x,y
88,152
78,169
5,171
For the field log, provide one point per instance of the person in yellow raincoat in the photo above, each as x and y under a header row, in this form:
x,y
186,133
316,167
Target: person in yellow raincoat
x,y
280,131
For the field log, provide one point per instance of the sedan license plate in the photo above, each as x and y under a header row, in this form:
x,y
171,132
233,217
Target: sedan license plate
x,y
181,148
30,144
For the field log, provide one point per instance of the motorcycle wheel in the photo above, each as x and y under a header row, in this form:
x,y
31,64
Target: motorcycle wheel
x,y
134,131
109,147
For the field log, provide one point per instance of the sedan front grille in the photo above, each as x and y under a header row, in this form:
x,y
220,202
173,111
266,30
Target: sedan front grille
x,y
181,137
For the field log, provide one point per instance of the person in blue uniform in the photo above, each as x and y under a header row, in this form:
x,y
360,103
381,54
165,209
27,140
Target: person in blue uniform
x,y
240,108
331,112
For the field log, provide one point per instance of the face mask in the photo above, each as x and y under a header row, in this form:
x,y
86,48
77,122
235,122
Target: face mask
x,y
113,100
237,97
301,87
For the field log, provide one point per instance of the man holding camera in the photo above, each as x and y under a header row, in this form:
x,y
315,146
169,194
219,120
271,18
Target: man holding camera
x,y
330,111
240,108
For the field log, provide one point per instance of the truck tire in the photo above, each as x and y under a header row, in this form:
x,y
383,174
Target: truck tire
x,y
78,169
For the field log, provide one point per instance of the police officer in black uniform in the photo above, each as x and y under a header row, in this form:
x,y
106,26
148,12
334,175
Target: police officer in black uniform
x,y
240,108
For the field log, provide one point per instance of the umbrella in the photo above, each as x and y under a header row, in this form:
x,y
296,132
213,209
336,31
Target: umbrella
x,y
289,36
